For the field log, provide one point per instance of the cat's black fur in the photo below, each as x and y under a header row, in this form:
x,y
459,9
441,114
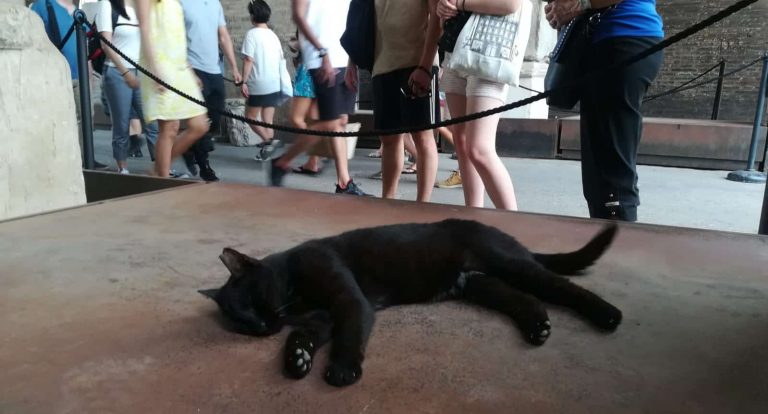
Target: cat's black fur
x,y
329,288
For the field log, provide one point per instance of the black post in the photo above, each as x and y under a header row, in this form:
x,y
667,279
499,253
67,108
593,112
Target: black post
x,y
718,92
750,175
763,229
86,121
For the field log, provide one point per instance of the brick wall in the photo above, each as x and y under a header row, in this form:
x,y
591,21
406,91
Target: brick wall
x,y
739,39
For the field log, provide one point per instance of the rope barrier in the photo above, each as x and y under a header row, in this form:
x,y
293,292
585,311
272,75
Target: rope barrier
x,y
683,88
696,28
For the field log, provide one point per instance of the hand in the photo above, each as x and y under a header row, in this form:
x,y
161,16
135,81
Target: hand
x,y
447,9
420,82
237,76
561,12
197,79
131,80
350,77
244,90
327,73
154,70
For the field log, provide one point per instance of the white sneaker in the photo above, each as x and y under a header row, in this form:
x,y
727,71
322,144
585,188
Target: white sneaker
x,y
123,171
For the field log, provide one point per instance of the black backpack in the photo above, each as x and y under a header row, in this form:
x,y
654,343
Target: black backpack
x,y
359,38
96,54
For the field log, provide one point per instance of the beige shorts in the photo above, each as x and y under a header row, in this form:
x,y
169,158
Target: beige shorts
x,y
457,84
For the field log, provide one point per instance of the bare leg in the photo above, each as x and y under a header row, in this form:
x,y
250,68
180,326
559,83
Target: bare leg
x,y
474,191
391,164
254,112
168,132
427,171
196,128
481,138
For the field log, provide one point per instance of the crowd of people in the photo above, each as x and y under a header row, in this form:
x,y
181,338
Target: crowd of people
x,y
186,42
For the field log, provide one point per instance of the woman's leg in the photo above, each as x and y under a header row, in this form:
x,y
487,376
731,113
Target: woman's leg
x,y
301,109
164,147
119,96
268,115
410,148
474,191
481,135
196,128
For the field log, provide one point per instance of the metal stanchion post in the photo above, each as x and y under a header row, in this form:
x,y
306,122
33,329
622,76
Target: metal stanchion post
x,y
86,121
750,175
718,92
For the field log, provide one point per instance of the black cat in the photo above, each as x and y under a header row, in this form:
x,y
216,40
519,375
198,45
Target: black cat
x,y
329,288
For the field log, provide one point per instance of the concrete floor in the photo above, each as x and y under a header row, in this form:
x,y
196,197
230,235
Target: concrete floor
x,y
99,313
671,196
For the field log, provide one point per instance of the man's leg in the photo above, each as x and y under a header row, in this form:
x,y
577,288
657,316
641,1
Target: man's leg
x,y
214,94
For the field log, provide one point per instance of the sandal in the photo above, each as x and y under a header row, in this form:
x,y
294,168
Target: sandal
x,y
306,171
410,170
375,154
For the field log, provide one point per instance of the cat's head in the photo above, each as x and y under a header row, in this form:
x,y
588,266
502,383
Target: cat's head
x,y
252,298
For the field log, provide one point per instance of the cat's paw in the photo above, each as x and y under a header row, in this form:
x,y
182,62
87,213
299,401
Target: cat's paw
x,y
606,316
536,333
299,350
341,374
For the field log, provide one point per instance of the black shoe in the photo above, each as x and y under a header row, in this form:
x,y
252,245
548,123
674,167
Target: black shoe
x,y
352,189
276,173
99,166
207,173
189,161
134,151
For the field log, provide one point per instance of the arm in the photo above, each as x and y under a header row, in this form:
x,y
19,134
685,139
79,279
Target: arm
x,y
142,12
561,12
247,66
421,78
493,7
299,11
229,52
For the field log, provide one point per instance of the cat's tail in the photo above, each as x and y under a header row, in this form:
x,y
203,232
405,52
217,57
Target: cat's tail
x,y
571,264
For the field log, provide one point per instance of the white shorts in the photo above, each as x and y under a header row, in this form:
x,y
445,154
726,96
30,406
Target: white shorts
x,y
457,84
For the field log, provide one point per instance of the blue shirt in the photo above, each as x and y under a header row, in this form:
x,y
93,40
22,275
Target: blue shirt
x,y
202,19
65,21
630,18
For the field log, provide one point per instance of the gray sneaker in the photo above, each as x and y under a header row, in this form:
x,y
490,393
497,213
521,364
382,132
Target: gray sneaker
x,y
352,189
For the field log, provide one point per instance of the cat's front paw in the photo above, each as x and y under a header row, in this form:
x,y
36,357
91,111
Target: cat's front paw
x,y
341,374
538,333
299,350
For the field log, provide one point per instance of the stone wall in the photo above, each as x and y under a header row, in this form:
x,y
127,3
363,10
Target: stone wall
x,y
40,163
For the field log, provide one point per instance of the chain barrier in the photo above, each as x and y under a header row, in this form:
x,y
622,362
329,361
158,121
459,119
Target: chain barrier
x,y
690,31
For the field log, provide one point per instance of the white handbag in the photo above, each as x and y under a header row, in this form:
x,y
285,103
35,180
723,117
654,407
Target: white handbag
x,y
493,47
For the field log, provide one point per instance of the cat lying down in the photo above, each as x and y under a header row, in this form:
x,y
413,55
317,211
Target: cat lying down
x,y
329,288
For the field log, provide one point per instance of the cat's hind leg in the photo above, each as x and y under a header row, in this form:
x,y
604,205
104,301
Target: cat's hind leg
x,y
532,277
527,311
310,334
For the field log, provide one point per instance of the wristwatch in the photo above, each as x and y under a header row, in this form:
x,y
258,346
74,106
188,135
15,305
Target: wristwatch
x,y
322,52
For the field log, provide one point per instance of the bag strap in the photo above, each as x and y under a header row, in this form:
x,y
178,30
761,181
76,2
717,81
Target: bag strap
x,y
53,25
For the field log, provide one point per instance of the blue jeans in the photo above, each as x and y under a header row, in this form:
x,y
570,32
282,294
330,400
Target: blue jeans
x,y
124,103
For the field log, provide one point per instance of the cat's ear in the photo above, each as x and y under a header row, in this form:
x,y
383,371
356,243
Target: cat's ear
x,y
210,293
234,260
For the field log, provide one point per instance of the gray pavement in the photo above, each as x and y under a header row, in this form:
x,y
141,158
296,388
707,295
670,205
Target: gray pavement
x,y
671,196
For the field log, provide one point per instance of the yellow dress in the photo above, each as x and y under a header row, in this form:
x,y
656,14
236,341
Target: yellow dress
x,y
169,41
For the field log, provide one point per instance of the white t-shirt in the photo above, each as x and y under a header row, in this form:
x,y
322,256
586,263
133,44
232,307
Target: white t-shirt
x,y
327,19
125,36
264,49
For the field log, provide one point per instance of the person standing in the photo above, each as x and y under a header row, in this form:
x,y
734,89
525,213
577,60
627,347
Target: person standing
x,y
611,120
57,19
321,24
120,78
164,53
207,33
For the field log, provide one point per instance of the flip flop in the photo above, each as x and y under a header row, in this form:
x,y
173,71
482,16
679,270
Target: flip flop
x,y
409,170
306,171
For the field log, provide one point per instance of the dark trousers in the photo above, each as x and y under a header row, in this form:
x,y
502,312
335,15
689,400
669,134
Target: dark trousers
x,y
611,127
214,95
